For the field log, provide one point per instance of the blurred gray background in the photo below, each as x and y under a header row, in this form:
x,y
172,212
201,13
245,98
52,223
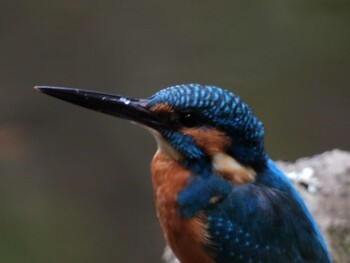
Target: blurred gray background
x,y
74,184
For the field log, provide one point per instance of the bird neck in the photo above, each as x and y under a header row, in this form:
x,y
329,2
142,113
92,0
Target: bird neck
x,y
169,177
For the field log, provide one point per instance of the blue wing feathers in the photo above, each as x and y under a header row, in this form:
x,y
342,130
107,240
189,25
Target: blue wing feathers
x,y
265,222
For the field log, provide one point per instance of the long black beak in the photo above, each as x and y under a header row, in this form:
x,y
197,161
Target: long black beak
x,y
127,108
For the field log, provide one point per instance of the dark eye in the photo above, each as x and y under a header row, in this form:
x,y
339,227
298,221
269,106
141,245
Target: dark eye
x,y
189,119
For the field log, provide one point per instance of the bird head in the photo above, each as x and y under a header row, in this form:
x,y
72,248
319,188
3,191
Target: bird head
x,y
190,122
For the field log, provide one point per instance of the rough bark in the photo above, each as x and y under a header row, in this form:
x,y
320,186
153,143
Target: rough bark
x,y
324,183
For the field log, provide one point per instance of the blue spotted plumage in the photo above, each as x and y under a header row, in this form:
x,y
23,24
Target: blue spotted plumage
x,y
219,198
263,221
219,108
256,223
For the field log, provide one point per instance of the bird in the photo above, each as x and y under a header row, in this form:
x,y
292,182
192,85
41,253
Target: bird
x,y
219,197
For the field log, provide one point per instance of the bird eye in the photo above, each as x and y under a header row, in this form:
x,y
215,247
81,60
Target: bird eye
x,y
189,119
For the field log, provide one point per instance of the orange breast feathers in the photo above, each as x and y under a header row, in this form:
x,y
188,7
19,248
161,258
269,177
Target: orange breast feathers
x,y
186,237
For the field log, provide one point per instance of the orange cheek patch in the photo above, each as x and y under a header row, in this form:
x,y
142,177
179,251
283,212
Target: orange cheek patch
x,y
215,144
162,108
209,140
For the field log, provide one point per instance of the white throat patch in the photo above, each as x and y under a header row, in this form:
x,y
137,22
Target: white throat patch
x,y
164,146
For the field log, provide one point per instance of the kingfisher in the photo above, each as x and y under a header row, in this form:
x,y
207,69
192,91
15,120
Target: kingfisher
x,y
219,198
